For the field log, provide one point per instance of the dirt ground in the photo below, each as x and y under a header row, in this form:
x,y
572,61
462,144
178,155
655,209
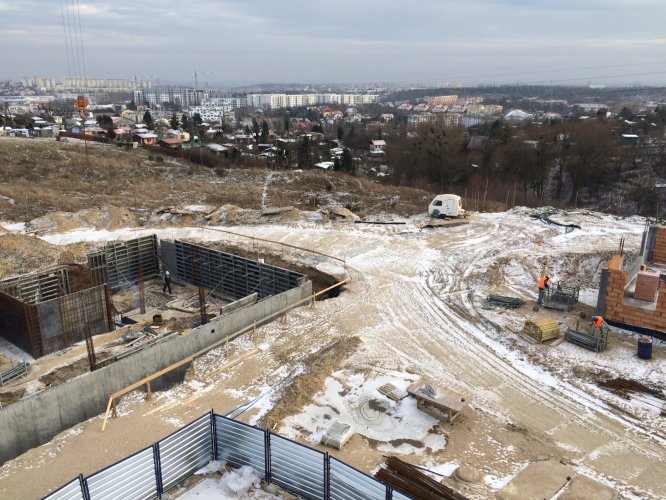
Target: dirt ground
x,y
415,309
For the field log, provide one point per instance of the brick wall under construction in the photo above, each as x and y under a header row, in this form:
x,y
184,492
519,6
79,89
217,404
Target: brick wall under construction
x,y
618,311
659,249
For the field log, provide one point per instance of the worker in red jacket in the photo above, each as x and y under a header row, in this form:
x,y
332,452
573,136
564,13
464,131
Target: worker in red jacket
x,y
543,286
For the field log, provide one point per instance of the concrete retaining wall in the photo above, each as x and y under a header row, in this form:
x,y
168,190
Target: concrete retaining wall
x,y
34,420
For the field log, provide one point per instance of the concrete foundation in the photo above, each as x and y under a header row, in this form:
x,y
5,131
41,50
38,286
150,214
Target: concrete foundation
x,y
36,419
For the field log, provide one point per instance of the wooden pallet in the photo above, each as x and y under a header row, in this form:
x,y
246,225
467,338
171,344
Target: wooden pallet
x,y
392,392
542,330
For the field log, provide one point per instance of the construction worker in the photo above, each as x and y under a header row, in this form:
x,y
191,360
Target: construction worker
x,y
598,324
543,286
167,282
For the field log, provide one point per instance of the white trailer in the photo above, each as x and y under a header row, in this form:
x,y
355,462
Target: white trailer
x,y
446,205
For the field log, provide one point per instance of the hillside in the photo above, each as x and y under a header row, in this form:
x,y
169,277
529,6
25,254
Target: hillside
x,y
38,177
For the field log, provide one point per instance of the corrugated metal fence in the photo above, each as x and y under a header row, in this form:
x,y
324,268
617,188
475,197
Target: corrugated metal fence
x,y
302,470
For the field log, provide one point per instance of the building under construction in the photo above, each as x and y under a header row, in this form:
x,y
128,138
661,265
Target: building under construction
x,y
632,294
47,311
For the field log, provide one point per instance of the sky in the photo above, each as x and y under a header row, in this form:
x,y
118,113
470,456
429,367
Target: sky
x,y
340,41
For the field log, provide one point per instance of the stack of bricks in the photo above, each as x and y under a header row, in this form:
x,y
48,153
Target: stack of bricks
x,y
659,250
616,310
647,286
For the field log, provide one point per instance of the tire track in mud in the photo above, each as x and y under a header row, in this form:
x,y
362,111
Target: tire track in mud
x,y
450,341
569,400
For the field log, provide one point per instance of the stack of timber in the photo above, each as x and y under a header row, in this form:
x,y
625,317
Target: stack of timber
x,y
542,330
413,483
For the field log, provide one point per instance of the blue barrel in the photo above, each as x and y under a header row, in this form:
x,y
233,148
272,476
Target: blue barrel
x,y
645,348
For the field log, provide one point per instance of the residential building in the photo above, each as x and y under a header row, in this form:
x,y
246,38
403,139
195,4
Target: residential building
x,y
378,146
276,101
443,100
447,119
184,97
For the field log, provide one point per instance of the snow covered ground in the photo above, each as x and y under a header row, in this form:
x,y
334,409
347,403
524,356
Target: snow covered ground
x,y
415,303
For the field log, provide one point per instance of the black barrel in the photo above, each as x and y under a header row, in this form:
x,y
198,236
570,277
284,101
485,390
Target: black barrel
x,y
645,348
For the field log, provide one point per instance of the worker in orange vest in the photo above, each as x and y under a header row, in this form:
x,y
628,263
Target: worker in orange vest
x,y
598,323
543,285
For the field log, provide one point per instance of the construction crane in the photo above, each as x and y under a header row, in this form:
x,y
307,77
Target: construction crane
x,y
197,73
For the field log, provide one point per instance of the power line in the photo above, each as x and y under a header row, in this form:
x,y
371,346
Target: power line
x,y
64,30
486,76
76,61
83,57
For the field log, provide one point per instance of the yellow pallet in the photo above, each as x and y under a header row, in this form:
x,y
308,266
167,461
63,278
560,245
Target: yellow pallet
x,y
542,330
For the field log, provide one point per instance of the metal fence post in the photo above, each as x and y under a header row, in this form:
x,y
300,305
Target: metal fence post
x,y
267,455
84,487
213,432
327,476
158,469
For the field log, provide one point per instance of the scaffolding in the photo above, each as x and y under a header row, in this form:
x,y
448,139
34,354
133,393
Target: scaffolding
x,y
38,287
121,264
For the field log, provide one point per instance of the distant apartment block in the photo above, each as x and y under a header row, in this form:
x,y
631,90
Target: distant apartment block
x,y
446,119
187,98
276,101
443,100
89,84
215,109
184,97
484,109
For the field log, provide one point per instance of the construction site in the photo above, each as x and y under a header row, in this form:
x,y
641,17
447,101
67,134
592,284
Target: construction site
x,y
317,357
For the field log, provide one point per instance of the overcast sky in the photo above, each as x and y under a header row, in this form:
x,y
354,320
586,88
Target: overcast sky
x,y
254,41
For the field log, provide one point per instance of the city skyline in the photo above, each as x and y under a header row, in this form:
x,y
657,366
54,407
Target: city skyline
x,y
234,43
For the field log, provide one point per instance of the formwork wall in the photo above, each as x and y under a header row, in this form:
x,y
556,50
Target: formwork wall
x,y
13,321
63,321
122,263
229,275
49,326
36,419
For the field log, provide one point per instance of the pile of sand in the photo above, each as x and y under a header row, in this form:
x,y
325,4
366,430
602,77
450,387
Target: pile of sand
x,y
231,215
108,217
21,254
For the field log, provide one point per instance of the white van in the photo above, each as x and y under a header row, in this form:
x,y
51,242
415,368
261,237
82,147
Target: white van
x,y
446,205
